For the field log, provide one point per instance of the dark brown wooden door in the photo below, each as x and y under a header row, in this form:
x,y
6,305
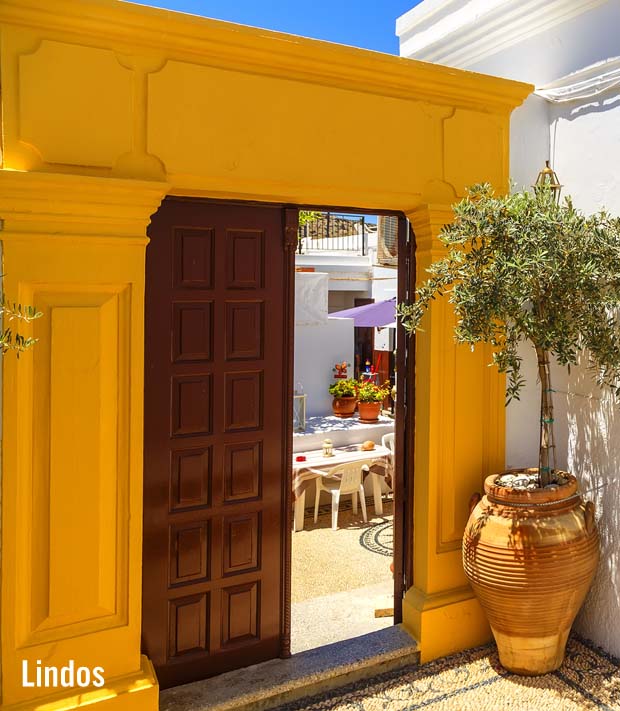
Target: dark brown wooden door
x,y
405,424
215,437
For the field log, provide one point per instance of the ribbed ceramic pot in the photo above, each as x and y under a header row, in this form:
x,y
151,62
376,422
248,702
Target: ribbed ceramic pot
x,y
530,557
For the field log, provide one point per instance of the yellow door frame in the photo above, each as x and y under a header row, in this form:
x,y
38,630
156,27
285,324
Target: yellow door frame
x,y
106,108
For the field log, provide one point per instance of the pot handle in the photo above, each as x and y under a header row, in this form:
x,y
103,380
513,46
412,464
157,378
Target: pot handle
x,y
588,515
473,501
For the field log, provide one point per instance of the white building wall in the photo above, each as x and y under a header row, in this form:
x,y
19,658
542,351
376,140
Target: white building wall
x,y
529,141
384,283
320,341
585,144
585,148
317,348
582,139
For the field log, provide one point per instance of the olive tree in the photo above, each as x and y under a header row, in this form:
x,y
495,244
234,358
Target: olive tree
x,y
522,268
12,314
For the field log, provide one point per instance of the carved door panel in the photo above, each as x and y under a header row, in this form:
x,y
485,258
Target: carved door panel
x,y
215,440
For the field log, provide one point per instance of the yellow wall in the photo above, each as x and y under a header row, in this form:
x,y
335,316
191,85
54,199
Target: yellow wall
x,y
72,429
459,440
113,89
106,108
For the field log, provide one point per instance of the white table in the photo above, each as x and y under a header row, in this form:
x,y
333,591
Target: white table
x,y
302,476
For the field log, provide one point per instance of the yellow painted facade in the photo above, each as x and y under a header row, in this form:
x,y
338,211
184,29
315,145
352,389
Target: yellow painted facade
x,y
106,108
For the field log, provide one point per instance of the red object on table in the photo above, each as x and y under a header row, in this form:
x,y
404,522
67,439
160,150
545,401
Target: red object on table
x,y
300,458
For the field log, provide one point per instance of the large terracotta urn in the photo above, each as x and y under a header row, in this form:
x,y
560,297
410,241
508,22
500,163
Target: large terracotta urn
x,y
530,556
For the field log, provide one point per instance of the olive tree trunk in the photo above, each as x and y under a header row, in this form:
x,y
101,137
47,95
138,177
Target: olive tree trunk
x,y
546,456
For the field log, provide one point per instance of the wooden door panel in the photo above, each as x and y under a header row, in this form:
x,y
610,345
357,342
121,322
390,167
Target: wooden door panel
x,y
191,405
188,625
245,263
192,331
189,552
215,453
243,471
244,400
190,478
244,330
239,614
241,536
194,261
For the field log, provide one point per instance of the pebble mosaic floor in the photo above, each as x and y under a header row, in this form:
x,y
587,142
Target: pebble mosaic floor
x,y
474,681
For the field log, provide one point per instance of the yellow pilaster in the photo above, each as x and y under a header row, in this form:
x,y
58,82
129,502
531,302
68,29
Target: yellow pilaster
x,y
459,439
72,423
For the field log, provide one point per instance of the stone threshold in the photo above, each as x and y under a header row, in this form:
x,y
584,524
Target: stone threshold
x,y
281,681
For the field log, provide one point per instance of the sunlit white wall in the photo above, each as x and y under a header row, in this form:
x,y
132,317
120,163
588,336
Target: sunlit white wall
x,y
582,139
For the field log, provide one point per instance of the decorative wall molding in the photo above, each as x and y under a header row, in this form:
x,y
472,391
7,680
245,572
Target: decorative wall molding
x,y
62,204
461,33
586,83
241,48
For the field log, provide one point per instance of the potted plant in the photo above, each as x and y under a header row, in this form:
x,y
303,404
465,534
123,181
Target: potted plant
x,y
345,397
524,269
370,398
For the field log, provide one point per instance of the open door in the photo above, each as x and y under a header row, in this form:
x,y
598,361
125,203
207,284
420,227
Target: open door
x,y
405,425
217,433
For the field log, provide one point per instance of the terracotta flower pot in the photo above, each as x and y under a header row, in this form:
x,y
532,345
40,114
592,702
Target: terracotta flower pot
x,y
344,406
530,557
369,411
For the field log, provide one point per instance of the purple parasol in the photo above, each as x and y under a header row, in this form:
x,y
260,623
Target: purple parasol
x,y
377,315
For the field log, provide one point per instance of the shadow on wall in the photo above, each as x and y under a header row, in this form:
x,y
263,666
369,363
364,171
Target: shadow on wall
x,y
594,456
522,416
570,112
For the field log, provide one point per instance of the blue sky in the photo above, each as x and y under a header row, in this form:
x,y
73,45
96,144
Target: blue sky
x,y
360,23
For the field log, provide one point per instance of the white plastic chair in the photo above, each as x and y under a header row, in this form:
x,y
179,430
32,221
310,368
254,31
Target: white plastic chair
x,y
388,441
342,479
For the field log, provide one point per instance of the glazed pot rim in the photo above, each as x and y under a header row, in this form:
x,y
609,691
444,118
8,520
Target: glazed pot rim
x,y
504,495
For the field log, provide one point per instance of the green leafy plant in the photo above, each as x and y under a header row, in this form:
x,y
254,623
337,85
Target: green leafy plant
x,y
344,388
522,268
307,216
12,313
367,391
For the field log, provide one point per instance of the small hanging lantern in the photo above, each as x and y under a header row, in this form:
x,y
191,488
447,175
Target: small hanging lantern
x,y
547,177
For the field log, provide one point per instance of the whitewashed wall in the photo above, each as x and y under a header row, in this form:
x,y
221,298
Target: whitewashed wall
x,y
317,348
582,139
320,342
585,147
585,140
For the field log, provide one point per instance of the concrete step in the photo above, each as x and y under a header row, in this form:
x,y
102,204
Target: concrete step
x,y
282,681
